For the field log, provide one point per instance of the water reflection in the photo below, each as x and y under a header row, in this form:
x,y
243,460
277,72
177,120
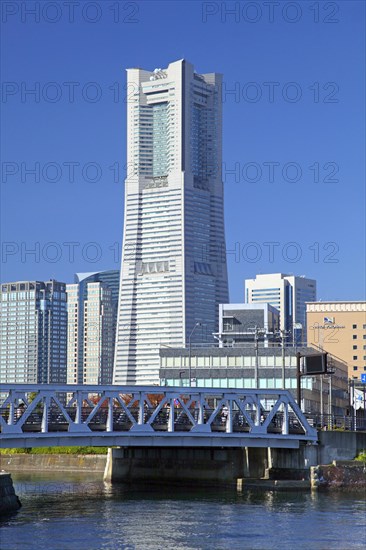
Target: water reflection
x,y
79,511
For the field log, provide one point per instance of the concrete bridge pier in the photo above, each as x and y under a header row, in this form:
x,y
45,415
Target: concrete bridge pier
x,y
256,462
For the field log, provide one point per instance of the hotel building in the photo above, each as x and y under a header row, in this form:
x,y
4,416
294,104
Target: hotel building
x,y
340,329
174,272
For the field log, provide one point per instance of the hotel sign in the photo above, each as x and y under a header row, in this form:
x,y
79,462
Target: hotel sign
x,y
328,323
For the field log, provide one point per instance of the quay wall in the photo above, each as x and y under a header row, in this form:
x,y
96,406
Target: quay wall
x,y
338,445
55,462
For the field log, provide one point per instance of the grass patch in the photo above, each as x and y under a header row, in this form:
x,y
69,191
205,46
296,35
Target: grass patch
x,y
57,451
361,456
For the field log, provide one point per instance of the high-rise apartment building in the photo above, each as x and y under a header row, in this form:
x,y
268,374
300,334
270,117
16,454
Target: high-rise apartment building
x,y
174,271
92,314
288,294
33,332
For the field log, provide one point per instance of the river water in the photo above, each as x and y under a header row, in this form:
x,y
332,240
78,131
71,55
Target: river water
x,y
67,511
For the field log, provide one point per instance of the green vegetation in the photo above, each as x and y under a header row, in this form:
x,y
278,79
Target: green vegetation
x,y
14,451
57,450
361,456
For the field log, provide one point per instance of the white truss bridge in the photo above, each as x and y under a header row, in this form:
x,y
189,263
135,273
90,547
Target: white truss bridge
x,y
56,415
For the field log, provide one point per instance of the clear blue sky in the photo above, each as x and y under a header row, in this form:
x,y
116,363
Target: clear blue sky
x,y
298,76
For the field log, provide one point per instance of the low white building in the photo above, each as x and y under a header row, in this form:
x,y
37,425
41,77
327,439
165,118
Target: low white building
x,y
288,294
246,323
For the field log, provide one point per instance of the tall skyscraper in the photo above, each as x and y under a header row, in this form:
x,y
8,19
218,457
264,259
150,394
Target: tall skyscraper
x,y
174,271
92,315
33,332
288,294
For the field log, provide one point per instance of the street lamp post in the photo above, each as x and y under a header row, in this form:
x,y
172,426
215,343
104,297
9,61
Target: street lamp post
x,y
189,352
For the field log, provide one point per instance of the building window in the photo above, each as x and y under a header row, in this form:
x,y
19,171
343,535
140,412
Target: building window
x,y
228,324
364,357
354,336
355,368
355,357
354,326
364,327
354,347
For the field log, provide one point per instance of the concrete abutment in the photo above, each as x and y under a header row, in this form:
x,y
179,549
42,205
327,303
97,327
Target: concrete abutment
x,y
172,464
227,465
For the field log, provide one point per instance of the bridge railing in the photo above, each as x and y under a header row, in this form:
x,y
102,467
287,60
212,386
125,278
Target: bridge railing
x,y
32,409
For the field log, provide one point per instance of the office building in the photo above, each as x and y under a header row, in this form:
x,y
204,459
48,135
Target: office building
x,y
109,278
340,329
287,293
243,324
235,367
174,272
92,315
33,332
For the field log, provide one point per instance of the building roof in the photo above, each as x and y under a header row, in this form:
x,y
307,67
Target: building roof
x,y
233,351
337,302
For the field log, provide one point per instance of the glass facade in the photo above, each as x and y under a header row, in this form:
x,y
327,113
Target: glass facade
x,y
235,368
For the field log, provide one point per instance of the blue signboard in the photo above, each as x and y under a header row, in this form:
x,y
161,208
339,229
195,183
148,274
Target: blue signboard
x,y
363,378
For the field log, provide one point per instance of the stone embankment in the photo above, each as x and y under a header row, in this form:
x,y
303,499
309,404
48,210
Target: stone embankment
x,y
9,502
341,474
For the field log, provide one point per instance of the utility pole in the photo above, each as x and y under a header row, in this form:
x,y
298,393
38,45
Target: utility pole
x,y
190,352
283,361
257,332
330,370
330,423
256,373
283,334
298,378
321,401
